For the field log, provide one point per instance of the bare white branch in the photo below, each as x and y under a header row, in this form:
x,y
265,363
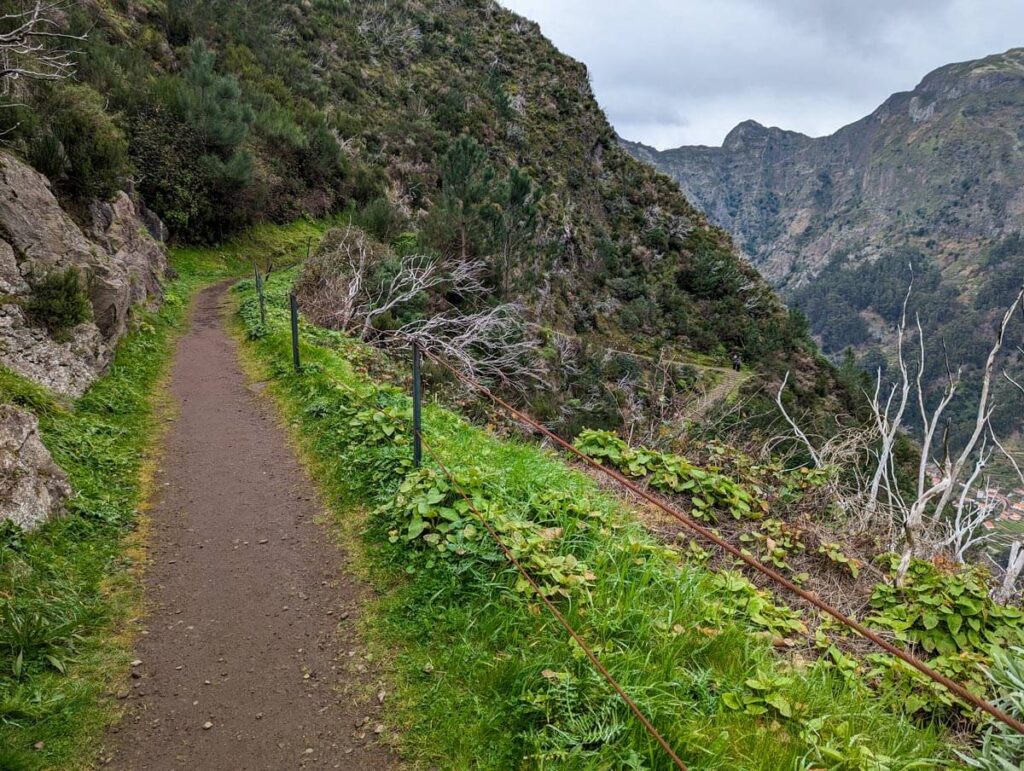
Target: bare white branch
x,y
351,282
815,456
945,512
1014,383
33,45
388,33
491,346
1014,567
889,425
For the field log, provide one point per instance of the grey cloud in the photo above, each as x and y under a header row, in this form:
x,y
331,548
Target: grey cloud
x,y
857,24
671,72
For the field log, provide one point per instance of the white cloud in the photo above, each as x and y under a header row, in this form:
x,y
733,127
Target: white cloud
x,y
675,72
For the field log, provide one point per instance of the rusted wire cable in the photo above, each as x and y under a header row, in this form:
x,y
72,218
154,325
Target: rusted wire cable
x,y
706,533
644,720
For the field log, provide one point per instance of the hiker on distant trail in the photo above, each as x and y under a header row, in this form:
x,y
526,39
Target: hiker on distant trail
x,y
737,362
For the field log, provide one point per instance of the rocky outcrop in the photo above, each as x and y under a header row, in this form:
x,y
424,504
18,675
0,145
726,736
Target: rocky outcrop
x,y
32,487
118,258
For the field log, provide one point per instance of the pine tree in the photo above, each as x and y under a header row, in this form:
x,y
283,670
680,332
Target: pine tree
x,y
218,112
467,184
514,222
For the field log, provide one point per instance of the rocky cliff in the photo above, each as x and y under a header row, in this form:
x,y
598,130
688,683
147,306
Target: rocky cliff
x,y
119,259
930,182
939,168
117,263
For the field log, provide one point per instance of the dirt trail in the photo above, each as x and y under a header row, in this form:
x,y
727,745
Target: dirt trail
x,y
249,659
729,383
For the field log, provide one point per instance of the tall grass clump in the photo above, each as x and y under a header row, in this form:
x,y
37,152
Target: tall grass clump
x,y
1002,748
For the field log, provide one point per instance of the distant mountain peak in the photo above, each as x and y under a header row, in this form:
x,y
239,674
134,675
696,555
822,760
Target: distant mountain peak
x,y
751,133
933,176
743,134
953,81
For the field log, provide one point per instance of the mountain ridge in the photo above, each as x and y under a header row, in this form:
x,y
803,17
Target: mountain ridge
x,y
930,184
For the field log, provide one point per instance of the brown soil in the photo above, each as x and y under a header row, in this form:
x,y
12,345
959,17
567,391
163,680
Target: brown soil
x,y
249,658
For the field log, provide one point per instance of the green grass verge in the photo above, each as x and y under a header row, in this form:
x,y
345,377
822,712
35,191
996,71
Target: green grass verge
x,y
277,246
68,589
483,676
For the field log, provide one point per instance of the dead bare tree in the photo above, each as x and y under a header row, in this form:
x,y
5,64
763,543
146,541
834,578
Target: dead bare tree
x,y
965,529
951,468
492,346
849,448
1014,566
352,282
1015,558
34,45
412,276
924,518
797,431
889,425
387,33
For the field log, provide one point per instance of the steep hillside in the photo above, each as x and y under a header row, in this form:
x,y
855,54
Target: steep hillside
x,y
227,113
932,178
409,142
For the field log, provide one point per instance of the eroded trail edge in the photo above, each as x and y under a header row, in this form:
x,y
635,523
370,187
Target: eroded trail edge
x,y
248,657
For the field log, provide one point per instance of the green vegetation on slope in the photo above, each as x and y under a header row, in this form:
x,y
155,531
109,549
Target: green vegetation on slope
x,y
485,677
458,122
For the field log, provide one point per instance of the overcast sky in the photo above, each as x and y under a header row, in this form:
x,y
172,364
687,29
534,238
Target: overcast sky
x,y
678,72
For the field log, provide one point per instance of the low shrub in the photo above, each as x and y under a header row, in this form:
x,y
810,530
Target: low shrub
x,y
708,490
83,151
59,302
946,611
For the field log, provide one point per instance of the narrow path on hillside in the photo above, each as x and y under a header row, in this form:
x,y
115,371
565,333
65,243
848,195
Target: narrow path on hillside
x,y
248,658
728,384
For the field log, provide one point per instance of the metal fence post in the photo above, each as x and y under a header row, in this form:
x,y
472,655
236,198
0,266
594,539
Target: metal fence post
x,y
294,305
417,405
259,292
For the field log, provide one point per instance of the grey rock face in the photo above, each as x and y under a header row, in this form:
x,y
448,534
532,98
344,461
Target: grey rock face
x,y
11,280
118,258
32,487
940,168
67,367
137,264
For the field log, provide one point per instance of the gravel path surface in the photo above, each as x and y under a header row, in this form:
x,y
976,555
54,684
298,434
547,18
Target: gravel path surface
x,y
248,658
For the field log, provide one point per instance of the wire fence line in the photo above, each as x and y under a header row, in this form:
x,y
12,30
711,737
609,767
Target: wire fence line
x,y
706,533
559,616
419,447
709,535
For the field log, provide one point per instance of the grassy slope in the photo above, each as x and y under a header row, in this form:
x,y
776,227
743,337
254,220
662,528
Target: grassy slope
x,y
484,677
68,590
619,254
